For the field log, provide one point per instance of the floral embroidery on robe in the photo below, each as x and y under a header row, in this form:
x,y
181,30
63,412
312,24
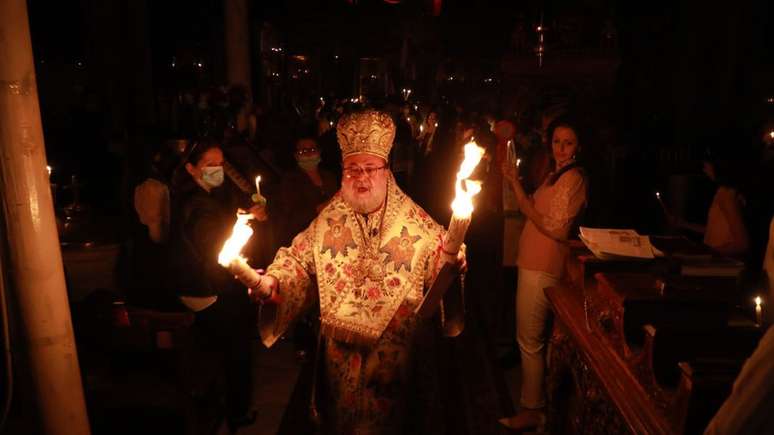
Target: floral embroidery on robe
x,y
368,289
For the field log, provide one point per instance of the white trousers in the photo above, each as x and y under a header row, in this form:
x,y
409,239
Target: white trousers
x,y
531,315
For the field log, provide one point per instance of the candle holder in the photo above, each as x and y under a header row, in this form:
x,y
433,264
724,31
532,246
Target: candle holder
x,y
259,199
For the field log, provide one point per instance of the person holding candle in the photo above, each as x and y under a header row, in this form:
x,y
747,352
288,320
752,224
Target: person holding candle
x,y
203,215
367,260
725,231
542,253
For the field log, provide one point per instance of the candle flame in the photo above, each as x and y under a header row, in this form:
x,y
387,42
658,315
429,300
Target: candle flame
x,y
49,169
240,234
258,183
465,189
758,301
518,162
473,155
658,195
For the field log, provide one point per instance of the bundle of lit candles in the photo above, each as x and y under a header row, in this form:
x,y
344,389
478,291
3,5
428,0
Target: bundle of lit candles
x,y
462,206
230,256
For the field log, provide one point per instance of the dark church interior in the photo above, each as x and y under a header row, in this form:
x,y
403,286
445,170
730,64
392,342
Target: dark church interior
x,y
386,217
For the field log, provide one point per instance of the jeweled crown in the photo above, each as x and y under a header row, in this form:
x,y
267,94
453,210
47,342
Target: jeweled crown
x,y
366,132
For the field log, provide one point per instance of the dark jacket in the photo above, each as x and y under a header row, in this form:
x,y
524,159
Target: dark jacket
x,y
201,223
298,201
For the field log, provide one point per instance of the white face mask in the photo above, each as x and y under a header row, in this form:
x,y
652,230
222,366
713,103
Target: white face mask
x,y
212,176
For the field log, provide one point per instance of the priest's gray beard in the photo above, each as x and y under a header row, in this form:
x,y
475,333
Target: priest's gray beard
x,y
364,196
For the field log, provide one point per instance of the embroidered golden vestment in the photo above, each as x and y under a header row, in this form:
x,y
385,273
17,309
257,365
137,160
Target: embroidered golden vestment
x,y
370,273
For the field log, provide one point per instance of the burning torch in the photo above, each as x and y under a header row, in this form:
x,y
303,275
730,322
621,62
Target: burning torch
x,y
231,258
462,206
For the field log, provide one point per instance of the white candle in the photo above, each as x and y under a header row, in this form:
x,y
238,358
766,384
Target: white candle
x,y
661,202
455,235
758,313
244,273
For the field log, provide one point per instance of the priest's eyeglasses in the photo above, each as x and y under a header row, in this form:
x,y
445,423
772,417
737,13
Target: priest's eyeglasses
x,y
357,171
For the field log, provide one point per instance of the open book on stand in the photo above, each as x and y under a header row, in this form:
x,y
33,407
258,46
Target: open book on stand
x,y
694,259
612,244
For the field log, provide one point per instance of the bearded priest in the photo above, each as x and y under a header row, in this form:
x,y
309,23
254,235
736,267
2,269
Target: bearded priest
x,y
368,260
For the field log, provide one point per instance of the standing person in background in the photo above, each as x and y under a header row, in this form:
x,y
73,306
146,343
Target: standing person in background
x,y
304,190
148,280
203,217
550,214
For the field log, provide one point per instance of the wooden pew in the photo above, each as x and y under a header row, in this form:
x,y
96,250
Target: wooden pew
x,y
638,349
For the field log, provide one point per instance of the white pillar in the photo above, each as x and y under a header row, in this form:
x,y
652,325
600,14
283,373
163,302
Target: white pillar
x,y
35,257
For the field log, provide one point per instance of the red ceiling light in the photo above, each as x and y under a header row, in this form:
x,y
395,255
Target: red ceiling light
x,y
436,11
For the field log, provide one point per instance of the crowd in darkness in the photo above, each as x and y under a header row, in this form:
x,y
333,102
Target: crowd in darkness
x,y
218,141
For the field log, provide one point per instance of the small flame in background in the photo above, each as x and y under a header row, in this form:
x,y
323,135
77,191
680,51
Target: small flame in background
x,y
240,234
758,301
466,189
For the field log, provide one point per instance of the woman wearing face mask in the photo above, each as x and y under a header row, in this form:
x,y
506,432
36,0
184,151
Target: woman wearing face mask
x,y
202,217
304,190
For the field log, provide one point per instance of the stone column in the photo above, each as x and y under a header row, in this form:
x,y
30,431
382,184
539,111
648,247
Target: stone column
x,y
35,262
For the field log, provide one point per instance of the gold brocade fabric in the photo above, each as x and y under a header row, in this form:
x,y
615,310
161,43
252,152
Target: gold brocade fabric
x,y
370,273
365,267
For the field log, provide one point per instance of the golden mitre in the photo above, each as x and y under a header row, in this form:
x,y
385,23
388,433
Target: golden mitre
x,y
366,132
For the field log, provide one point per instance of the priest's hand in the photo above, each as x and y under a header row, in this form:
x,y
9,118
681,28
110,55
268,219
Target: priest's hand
x,y
266,288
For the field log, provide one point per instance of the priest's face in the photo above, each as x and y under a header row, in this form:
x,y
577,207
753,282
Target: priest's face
x,y
364,186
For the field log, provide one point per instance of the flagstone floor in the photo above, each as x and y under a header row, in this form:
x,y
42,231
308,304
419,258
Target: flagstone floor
x,y
275,375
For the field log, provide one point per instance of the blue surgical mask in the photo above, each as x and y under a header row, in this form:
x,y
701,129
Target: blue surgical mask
x,y
212,176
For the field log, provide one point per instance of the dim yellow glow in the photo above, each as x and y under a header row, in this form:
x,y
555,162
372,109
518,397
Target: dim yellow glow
x,y
466,189
240,234
758,301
